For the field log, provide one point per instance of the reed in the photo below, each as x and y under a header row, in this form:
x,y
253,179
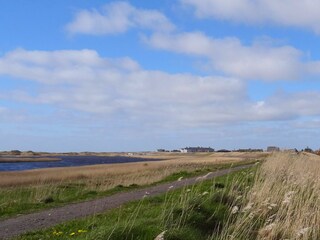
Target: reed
x,y
283,203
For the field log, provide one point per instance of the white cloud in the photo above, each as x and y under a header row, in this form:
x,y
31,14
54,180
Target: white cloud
x,y
312,124
313,67
82,80
86,82
296,13
117,17
11,115
261,60
228,55
2,110
64,66
294,104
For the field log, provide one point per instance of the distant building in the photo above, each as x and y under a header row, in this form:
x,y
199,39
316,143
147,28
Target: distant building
x,y
196,149
273,149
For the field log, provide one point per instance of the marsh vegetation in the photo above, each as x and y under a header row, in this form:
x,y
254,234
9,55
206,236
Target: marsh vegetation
x,y
27,191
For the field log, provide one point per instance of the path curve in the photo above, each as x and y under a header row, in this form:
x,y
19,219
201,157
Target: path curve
x,y
48,218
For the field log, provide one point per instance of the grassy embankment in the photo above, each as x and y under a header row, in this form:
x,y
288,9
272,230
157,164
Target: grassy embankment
x,y
190,213
280,200
27,191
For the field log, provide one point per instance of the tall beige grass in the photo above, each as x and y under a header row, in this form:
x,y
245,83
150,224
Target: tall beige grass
x,y
284,202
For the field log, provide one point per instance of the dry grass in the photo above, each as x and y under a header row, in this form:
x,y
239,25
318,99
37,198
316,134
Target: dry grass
x,y
284,202
108,176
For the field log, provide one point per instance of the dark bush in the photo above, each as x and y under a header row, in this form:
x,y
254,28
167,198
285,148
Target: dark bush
x,y
48,200
218,185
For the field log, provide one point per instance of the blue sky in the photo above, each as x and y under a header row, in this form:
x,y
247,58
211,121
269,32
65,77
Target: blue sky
x,y
141,75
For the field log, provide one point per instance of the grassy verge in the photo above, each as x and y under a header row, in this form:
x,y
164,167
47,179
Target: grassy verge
x,y
26,199
194,212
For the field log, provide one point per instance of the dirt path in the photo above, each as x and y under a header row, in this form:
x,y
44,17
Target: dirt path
x,y
48,218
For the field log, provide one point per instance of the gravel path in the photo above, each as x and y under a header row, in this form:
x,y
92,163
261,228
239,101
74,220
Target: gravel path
x,y
48,218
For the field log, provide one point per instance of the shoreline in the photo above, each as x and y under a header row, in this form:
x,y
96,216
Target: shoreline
x,y
10,159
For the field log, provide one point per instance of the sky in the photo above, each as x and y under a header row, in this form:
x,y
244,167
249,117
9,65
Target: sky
x,y
141,75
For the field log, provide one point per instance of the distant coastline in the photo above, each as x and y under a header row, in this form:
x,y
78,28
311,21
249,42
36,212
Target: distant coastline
x,y
10,159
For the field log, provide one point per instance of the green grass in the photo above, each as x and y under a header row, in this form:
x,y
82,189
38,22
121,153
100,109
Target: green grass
x,y
27,199
195,212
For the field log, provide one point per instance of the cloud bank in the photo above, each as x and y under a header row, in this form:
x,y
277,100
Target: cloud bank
x,y
84,81
295,13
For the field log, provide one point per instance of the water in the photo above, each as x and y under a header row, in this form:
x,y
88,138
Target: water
x,y
70,161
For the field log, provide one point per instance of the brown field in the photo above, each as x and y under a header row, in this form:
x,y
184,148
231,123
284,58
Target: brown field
x,y
110,175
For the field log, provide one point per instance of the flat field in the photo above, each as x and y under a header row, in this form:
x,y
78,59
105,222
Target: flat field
x,y
31,190
111,175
